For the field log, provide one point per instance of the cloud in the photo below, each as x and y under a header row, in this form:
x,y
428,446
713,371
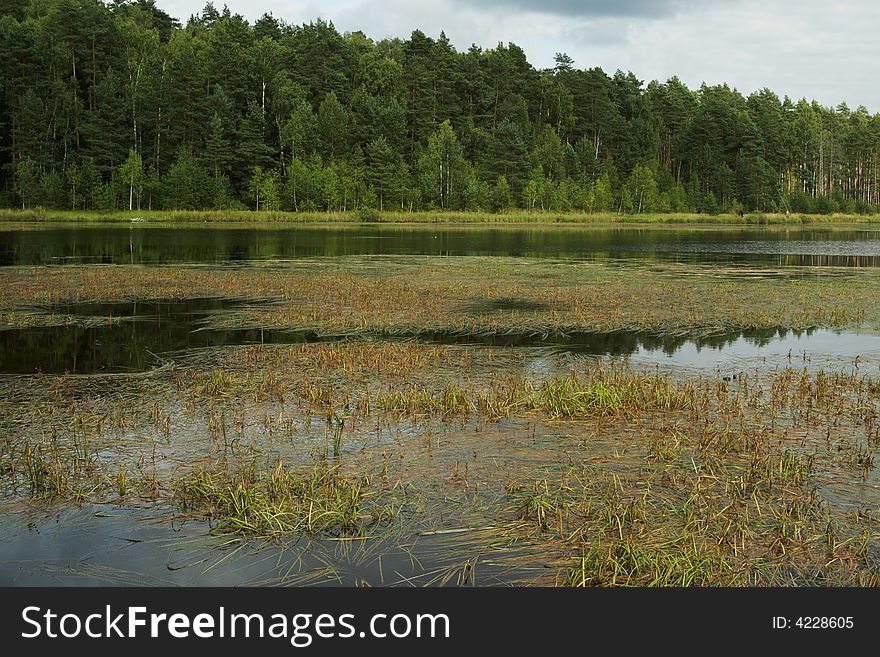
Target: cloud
x,y
537,34
799,49
586,8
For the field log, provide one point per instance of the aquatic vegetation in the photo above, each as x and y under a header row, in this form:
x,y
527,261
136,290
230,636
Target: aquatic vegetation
x,y
431,297
627,563
249,502
609,394
53,476
426,399
721,503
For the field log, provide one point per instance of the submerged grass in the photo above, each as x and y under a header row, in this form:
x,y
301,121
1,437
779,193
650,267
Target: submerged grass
x,y
599,392
610,393
649,480
742,487
627,563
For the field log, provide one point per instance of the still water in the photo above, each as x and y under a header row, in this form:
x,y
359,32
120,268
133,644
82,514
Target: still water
x,y
212,243
120,545
138,336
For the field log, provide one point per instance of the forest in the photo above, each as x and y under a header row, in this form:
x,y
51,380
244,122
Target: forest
x,y
120,106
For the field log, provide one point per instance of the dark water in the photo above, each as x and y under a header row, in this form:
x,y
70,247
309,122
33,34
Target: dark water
x,y
119,546
133,337
141,335
145,244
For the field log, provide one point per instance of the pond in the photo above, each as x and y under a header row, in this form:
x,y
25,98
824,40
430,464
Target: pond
x,y
107,406
212,243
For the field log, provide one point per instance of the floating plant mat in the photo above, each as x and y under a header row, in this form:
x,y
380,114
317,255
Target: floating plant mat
x,y
410,296
577,309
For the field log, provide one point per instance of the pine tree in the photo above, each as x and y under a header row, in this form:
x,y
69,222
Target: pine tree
x,y
218,152
85,82
332,126
382,166
298,130
251,149
186,186
106,137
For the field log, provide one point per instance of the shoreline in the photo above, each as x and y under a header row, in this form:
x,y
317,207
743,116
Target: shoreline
x,y
10,216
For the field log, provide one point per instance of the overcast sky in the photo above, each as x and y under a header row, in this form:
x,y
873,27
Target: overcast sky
x,y
818,49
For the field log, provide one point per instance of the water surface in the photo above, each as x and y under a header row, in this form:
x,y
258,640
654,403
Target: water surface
x,y
35,244
119,545
138,336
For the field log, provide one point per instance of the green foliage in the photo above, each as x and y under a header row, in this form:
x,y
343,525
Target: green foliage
x,y
643,189
501,197
187,185
533,192
445,173
218,155
265,189
339,121
332,127
27,178
386,173
603,196
131,174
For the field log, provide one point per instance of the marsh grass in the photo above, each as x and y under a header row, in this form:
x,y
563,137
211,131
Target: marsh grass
x,y
619,475
596,393
258,503
433,217
54,476
606,393
436,299
627,563
726,501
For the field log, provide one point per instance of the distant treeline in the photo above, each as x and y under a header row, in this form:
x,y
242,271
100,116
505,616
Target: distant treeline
x,y
107,107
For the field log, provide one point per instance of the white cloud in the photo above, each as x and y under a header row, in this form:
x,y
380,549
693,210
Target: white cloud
x,y
804,48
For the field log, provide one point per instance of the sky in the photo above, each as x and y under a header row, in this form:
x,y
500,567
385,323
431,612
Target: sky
x,y
814,49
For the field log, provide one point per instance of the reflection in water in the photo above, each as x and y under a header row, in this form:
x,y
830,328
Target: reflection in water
x,y
129,338
140,333
144,244
818,260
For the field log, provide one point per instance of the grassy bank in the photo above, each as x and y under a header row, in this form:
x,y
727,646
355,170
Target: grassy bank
x,y
422,217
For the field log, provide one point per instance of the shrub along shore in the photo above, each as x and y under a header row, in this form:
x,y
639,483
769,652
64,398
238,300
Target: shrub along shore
x,y
426,217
